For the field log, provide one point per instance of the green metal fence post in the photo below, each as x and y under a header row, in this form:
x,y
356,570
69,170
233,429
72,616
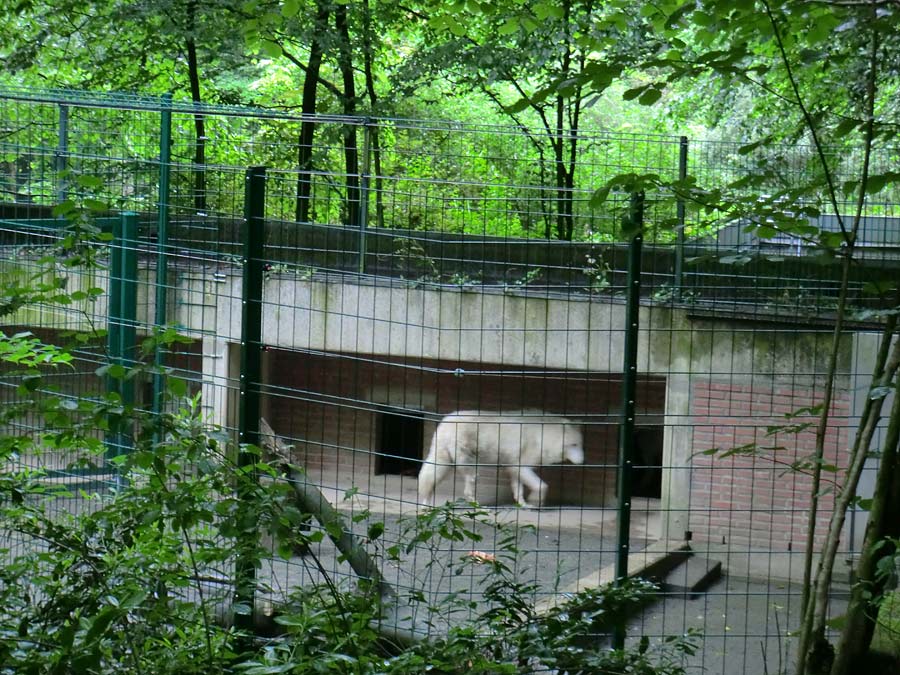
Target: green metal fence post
x,y
122,316
629,393
162,240
128,296
250,378
680,214
364,181
62,151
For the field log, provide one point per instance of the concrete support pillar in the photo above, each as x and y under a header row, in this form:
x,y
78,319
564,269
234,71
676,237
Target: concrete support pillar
x,y
677,449
214,387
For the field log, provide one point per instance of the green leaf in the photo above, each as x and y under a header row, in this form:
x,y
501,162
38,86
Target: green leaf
x,y
631,94
96,205
290,8
837,623
455,27
831,239
600,196
676,16
529,24
518,106
177,386
845,127
746,449
89,181
100,623
114,370
291,620
878,182
650,96
880,287
334,529
875,184
702,19
375,531
509,27
270,48
64,209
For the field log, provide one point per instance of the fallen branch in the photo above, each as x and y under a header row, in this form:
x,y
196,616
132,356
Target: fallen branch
x,y
309,499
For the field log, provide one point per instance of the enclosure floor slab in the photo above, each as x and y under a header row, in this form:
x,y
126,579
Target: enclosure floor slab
x,y
693,576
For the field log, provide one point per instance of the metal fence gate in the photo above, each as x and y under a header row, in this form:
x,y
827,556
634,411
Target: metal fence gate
x,y
348,313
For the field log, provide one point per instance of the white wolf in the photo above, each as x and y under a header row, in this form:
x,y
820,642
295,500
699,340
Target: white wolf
x,y
514,443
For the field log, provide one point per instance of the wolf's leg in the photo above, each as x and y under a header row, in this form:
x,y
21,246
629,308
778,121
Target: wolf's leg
x,y
469,486
434,468
515,482
534,483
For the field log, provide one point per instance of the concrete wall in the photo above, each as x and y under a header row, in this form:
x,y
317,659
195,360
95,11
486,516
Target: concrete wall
x,y
731,384
718,383
722,377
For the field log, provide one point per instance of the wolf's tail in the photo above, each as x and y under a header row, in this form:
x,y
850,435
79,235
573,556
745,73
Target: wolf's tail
x,y
428,474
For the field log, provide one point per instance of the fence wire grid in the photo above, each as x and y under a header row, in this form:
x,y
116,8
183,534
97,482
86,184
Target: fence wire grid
x,y
405,271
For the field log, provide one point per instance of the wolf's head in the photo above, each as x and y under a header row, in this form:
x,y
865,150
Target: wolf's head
x,y
573,444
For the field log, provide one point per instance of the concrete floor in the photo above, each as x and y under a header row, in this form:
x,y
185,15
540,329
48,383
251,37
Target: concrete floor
x,y
745,618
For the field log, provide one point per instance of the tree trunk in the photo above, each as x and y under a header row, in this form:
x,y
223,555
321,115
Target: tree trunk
x,y
373,105
199,168
868,591
813,645
351,157
565,174
563,181
574,121
545,206
308,106
564,177
887,364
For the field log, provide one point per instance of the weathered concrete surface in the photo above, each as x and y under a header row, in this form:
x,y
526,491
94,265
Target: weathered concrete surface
x,y
511,327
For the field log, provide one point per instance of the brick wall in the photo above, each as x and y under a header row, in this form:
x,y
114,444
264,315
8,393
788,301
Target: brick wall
x,y
757,499
324,405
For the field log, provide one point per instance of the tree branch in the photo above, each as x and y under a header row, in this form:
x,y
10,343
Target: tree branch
x,y
813,608
810,122
302,66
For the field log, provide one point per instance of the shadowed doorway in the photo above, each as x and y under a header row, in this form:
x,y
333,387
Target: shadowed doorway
x,y
399,444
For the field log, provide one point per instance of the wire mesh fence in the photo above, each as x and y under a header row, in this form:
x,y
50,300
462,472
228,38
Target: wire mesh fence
x,y
419,312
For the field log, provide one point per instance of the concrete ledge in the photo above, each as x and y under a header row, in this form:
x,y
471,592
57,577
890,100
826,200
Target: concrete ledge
x,y
653,562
